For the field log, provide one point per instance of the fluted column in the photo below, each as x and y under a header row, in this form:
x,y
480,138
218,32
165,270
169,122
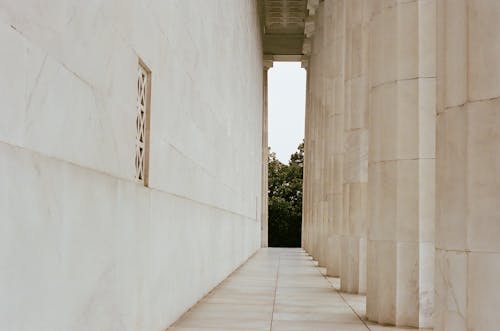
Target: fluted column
x,y
321,56
355,195
468,166
316,146
401,163
317,112
337,57
306,189
265,158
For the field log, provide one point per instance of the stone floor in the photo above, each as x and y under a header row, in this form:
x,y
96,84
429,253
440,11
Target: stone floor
x,y
278,289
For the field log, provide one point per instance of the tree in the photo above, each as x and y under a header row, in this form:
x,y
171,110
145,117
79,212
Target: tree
x,y
285,199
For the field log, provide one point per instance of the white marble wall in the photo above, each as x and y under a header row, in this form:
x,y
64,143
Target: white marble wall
x,y
468,166
401,163
84,247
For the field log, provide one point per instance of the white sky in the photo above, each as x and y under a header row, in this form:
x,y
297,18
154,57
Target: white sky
x,y
286,107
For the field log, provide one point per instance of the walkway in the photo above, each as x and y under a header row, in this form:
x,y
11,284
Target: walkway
x,y
278,289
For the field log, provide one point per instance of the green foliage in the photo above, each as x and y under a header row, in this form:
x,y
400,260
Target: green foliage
x,y
285,199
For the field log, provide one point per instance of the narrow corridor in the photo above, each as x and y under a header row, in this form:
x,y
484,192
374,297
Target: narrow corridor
x,y
278,289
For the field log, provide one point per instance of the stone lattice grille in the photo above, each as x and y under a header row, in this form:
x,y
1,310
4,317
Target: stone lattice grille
x,y
142,124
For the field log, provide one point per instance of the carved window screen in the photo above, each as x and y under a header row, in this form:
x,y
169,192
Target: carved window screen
x,y
142,124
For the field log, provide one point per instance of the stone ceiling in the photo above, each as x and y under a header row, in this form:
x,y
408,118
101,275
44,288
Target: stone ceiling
x,y
283,24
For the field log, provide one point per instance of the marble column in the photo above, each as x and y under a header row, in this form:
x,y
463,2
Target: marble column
x,y
306,196
308,232
468,166
265,158
319,51
336,35
402,56
323,185
310,165
316,156
315,145
355,189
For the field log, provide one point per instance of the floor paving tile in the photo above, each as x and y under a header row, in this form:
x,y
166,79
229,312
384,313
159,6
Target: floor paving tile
x,y
315,326
277,289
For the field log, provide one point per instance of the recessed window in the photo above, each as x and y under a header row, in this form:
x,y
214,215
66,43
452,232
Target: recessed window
x,y
142,124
